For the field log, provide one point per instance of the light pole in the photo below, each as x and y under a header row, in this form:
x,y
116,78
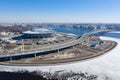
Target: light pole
x,y
3,46
23,46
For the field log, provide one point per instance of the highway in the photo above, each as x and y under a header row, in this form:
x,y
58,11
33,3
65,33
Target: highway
x,y
83,38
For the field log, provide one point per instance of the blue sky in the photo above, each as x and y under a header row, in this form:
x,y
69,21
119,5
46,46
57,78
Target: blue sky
x,y
67,11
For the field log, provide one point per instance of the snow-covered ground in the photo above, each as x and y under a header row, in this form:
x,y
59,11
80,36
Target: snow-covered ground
x,y
105,65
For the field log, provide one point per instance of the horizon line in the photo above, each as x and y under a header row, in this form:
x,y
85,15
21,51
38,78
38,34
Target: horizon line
x,y
60,22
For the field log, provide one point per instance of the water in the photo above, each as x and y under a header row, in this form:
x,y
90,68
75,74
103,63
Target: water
x,y
113,35
70,30
81,32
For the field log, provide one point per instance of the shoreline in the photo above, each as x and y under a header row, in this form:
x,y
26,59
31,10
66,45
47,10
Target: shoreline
x,y
104,65
63,61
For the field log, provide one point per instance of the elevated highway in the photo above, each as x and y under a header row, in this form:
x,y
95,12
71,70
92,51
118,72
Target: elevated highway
x,y
81,39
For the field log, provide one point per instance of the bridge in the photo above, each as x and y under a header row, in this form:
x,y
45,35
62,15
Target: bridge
x,y
97,31
34,53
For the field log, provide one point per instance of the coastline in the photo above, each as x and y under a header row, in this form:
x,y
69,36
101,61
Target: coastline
x,y
107,64
95,53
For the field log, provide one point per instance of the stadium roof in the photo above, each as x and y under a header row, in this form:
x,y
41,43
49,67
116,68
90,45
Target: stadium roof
x,y
39,31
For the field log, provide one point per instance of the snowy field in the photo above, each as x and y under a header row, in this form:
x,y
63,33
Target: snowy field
x,y
105,65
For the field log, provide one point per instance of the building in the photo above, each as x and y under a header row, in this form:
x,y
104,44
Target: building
x,y
37,33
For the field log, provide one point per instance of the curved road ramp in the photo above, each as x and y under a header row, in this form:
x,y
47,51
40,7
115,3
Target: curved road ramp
x,y
80,52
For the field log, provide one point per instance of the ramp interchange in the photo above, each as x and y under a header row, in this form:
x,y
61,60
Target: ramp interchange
x,y
84,37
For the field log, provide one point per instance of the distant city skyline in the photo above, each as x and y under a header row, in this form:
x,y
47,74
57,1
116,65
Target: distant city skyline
x,y
60,11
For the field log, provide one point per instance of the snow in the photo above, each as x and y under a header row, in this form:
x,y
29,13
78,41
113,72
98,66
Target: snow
x,y
38,31
104,65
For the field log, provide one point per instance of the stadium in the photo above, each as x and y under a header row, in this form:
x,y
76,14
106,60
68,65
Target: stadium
x,y
37,33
